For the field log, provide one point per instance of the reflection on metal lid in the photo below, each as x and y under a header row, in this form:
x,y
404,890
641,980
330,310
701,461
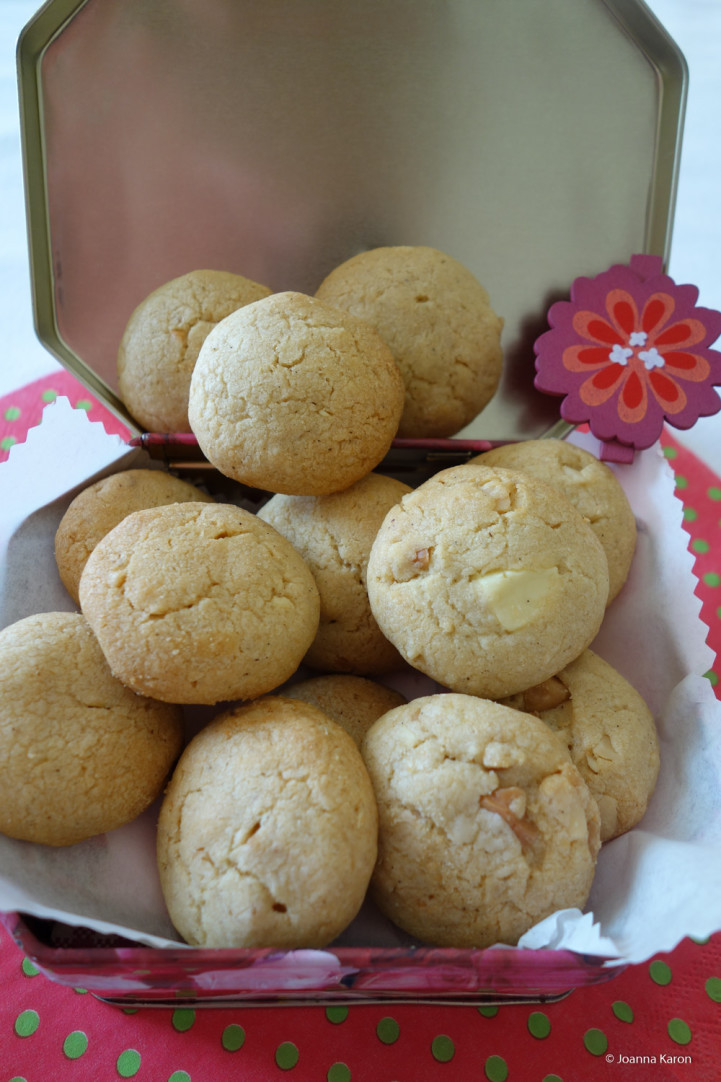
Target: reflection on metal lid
x,y
533,142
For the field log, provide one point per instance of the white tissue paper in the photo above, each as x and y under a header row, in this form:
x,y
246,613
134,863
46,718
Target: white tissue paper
x,y
653,886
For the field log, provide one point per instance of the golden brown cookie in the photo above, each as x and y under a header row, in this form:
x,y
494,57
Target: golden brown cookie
x,y
198,603
609,731
590,485
102,505
162,340
80,754
482,576
437,319
268,831
352,701
334,535
291,395
485,825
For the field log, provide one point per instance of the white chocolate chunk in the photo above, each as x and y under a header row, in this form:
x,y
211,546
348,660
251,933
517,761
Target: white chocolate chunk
x,y
517,597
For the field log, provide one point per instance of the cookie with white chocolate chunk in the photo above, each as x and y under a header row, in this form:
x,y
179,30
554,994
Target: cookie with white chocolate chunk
x,y
485,825
590,485
487,581
610,734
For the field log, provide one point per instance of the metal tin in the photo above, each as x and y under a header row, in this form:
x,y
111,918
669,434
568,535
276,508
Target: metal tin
x,y
533,142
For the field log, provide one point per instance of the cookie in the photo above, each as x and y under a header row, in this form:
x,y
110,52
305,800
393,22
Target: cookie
x,y
438,321
610,734
293,396
485,825
267,835
162,339
482,576
354,702
80,754
590,485
198,603
102,505
334,535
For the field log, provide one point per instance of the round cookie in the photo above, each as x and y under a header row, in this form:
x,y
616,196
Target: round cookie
x,y
482,576
102,505
437,319
610,734
162,339
590,485
485,825
354,702
334,535
267,835
291,395
198,603
80,754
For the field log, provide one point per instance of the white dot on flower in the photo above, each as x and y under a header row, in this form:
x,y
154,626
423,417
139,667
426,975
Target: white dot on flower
x,y
637,338
619,355
651,358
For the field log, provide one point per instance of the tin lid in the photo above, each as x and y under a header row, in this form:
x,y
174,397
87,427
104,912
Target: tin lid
x,y
533,142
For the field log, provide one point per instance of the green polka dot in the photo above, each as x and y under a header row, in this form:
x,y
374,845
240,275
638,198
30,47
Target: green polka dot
x,y
388,1030
130,1010
681,482
179,1076
714,493
6,443
338,1072
183,1019
700,546
83,404
233,1038
26,1023
489,1011
128,1063
286,1055
622,1011
595,1041
712,578
336,1014
496,1069
701,940
443,1048
539,1024
80,991
28,968
75,1044
670,452
18,1078
12,413
49,395
660,972
552,1078
689,514
713,989
712,677
679,1031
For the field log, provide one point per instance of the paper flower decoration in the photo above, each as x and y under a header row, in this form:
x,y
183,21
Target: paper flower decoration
x,y
629,351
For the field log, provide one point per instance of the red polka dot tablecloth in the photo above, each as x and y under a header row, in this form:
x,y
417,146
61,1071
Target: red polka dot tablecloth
x,y
652,1022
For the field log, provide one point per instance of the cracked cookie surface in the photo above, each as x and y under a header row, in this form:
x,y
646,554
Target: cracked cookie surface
x,y
198,603
162,339
590,485
334,534
438,321
102,505
353,701
294,396
610,734
481,577
267,835
80,754
485,825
